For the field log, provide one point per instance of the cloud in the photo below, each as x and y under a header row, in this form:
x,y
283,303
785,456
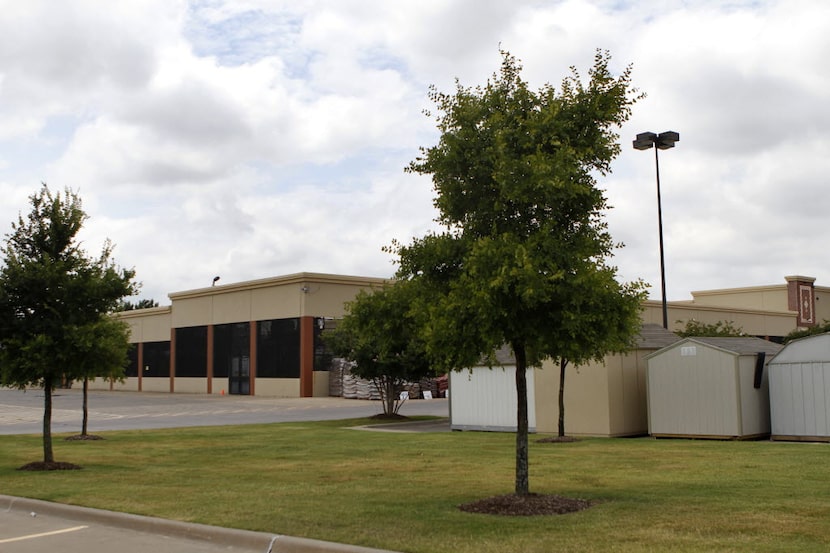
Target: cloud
x,y
254,137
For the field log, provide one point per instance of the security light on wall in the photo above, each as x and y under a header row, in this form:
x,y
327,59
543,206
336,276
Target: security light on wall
x,y
215,280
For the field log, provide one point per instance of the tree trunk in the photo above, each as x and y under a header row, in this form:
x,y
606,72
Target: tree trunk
x,y
390,396
86,407
48,456
522,477
562,364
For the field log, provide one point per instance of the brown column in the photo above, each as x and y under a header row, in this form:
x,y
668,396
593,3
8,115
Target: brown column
x,y
252,358
306,356
172,359
210,359
140,362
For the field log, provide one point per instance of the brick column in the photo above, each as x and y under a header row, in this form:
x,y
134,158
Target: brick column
x,y
306,356
801,298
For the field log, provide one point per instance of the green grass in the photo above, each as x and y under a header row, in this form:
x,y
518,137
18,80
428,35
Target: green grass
x,y
401,491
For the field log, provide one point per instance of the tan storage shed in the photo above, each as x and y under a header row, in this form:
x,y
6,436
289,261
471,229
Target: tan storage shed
x,y
605,398
710,388
799,390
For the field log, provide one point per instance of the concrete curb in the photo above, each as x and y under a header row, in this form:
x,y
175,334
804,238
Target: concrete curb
x,y
255,541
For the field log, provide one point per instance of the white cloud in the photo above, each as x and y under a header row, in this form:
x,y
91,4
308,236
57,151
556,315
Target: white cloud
x,y
253,138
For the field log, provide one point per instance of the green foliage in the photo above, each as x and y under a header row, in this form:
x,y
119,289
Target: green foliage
x,y
809,331
54,302
140,304
720,328
380,335
523,258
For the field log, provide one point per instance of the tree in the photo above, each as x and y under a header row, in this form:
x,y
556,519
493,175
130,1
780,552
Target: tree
x,y
809,331
379,334
53,299
522,259
140,304
102,348
720,328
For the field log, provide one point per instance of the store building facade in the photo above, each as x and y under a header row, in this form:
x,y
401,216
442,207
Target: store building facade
x,y
260,337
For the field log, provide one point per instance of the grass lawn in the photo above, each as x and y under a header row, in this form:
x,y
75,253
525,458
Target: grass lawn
x,y
401,491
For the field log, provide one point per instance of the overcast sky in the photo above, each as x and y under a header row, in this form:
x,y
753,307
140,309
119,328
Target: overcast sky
x,y
250,139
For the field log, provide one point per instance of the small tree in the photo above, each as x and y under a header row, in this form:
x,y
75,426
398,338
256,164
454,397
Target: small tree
x,y
720,328
523,258
140,304
102,348
809,331
52,298
379,335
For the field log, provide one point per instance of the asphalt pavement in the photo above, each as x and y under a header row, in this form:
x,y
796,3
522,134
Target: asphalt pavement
x,y
21,412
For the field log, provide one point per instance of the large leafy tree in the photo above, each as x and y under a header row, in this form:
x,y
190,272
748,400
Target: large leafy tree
x,y
523,256
53,303
379,334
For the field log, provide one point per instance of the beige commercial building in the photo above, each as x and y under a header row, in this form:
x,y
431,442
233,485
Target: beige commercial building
x,y
260,337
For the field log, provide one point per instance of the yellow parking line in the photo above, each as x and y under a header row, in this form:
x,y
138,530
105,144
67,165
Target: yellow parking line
x,y
44,534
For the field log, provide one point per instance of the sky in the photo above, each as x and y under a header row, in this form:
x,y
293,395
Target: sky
x,y
255,138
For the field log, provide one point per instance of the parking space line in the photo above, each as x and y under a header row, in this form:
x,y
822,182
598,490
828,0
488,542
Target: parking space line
x,y
43,534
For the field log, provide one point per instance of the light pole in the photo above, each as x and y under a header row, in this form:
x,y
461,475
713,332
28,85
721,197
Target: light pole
x,y
662,141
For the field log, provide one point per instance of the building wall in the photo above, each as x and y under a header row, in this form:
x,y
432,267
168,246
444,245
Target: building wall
x,y
754,402
693,392
800,400
148,325
485,399
307,297
601,398
755,322
766,298
800,389
278,387
587,409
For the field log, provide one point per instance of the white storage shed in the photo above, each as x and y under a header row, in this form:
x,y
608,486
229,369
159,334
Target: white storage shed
x,y
484,398
710,388
799,390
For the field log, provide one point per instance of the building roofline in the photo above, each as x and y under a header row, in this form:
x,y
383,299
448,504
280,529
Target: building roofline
x,y
296,278
132,313
691,304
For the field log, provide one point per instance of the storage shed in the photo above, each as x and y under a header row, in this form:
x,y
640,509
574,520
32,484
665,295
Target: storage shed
x,y
710,388
799,390
484,398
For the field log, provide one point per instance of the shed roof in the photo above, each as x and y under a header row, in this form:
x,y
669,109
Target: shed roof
x,y
815,348
651,336
654,336
742,345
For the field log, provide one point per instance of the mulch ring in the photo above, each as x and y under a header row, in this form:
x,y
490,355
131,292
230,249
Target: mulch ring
x,y
557,440
389,417
526,505
77,437
54,465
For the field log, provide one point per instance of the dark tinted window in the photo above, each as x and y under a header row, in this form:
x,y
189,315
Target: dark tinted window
x,y
231,348
278,348
191,351
156,359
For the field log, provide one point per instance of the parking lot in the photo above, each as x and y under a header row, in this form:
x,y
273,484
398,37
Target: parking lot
x,y
22,412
